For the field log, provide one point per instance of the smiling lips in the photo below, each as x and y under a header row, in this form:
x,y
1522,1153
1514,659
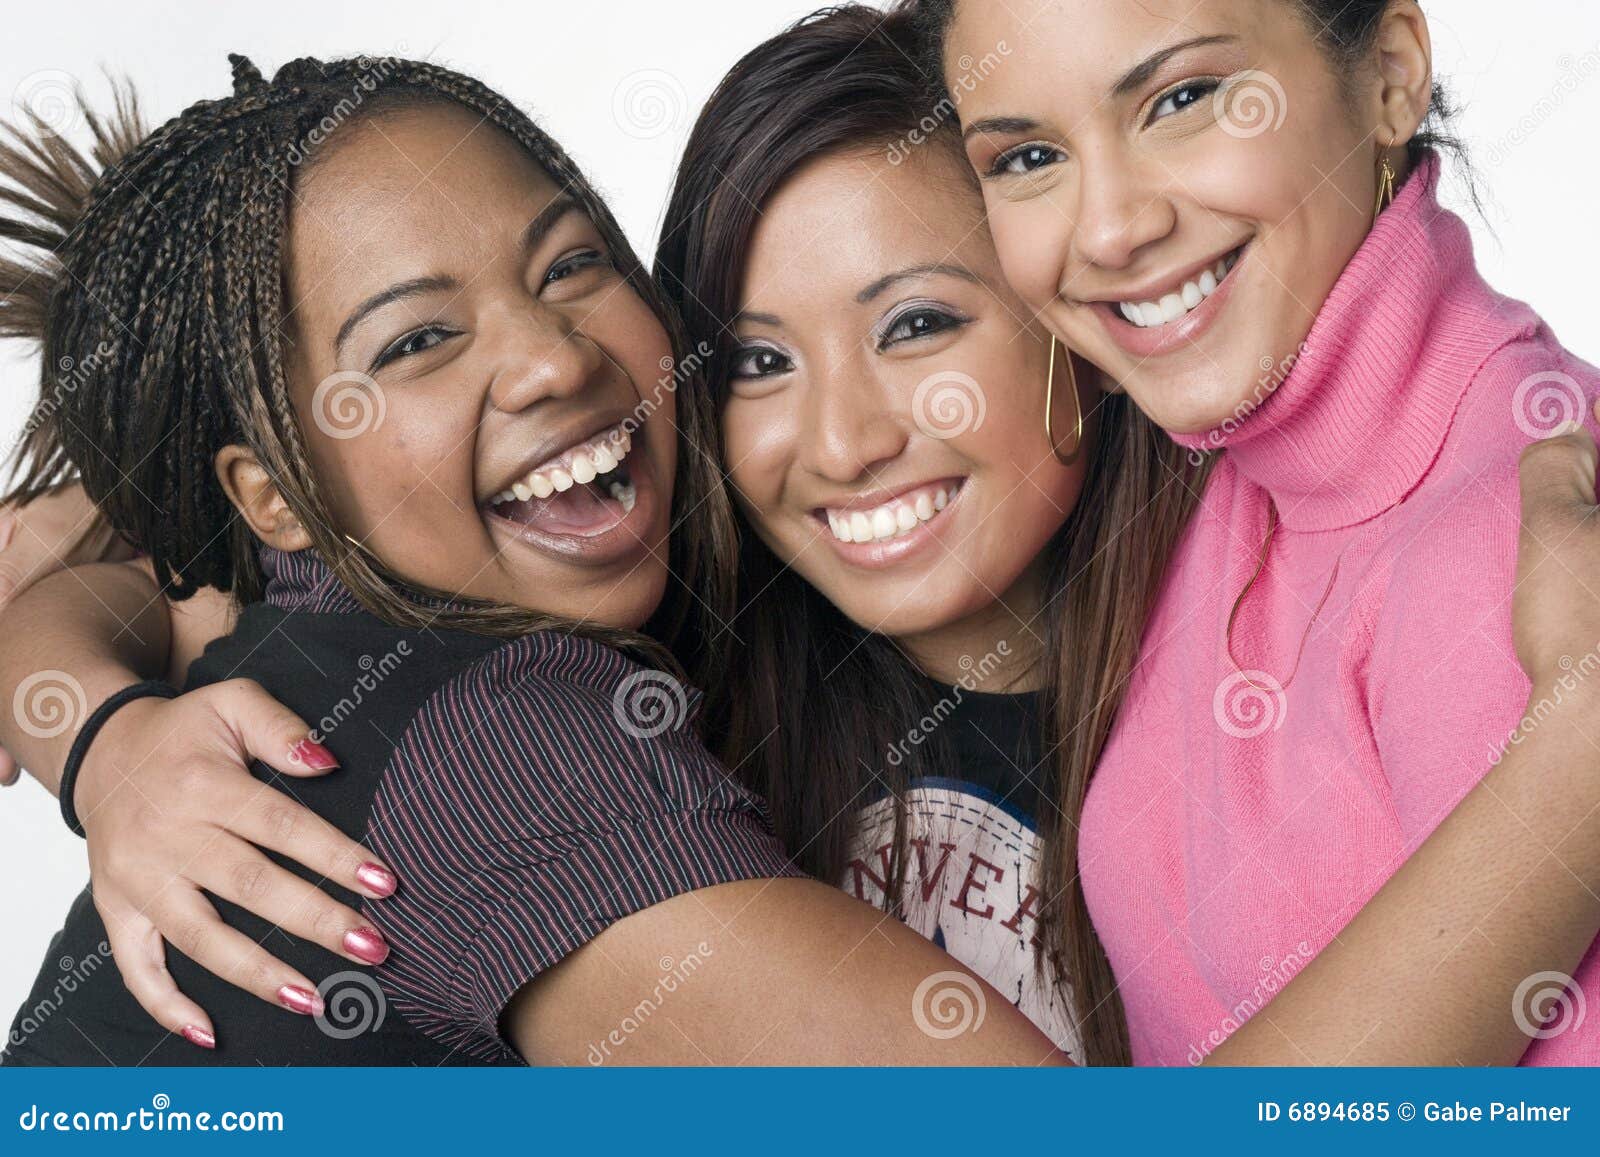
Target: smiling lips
x,y
583,492
893,519
1188,297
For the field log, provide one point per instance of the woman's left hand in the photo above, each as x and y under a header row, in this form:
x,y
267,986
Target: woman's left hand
x,y
54,531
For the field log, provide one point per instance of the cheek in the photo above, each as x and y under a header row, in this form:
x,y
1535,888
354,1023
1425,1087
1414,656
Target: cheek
x,y
1031,240
758,438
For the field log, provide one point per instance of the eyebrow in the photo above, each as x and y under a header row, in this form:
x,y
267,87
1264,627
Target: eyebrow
x,y
538,229
400,291
1140,73
1136,76
915,271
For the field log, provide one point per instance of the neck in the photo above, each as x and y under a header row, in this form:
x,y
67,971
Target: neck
x,y
996,649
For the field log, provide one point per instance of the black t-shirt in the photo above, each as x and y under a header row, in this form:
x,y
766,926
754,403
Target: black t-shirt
x,y
522,807
972,842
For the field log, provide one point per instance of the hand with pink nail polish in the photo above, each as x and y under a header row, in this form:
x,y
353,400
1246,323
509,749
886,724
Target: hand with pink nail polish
x,y
198,822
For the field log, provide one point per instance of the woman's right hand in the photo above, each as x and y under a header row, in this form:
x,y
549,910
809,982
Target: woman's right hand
x,y
170,809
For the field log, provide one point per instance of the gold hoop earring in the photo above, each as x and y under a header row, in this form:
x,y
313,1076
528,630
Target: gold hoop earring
x,y
1385,187
1049,407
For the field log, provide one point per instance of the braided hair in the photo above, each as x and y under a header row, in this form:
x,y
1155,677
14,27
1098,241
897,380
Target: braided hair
x,y
154,282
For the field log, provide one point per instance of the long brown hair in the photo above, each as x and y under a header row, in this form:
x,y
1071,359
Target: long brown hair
x,y
842,79
153,277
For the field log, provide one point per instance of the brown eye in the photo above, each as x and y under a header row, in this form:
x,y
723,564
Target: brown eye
x,y
1025,159
759,362
416,342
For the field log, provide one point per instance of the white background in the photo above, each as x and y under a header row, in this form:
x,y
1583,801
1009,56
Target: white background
x,y
618,82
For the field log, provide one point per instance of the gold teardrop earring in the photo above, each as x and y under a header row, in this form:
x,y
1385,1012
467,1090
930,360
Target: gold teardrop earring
x,y
1385,186
1049,407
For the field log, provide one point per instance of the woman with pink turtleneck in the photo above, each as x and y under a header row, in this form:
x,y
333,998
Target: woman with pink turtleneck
x,y
1230,207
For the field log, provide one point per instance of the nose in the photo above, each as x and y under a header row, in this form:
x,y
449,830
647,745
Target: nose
x,y
851,426
542,355
1121,209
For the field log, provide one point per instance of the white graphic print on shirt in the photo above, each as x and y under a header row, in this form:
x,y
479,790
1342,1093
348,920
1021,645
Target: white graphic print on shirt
x,y
972,859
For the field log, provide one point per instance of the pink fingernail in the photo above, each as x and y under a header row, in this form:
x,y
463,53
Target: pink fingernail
x,y
366,944
198,1036
377,879
313,755
301,1000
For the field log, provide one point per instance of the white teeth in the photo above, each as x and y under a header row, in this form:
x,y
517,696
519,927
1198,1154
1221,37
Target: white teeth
x,y
892,519
578,466
1172,306
626,495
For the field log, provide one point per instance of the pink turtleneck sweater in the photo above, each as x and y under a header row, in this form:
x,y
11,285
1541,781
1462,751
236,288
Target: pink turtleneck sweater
x,y
1231,830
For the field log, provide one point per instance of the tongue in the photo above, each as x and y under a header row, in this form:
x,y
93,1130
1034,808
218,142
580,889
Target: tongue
x,y
581,511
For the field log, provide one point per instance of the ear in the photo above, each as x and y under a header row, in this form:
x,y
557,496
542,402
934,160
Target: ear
x,y
251,489
1405,73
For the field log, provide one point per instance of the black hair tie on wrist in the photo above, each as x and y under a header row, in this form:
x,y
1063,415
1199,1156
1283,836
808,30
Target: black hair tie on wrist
x,y
150,689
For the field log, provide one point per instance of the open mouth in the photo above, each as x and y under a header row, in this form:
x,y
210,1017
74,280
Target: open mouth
x,y
583,492
1189,296
902,515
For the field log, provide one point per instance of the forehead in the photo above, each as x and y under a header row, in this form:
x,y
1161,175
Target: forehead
x,y
854,216
1023,50
411,191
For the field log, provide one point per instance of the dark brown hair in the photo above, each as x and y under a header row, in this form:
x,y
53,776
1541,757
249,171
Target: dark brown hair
x,y
154,280
817,701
